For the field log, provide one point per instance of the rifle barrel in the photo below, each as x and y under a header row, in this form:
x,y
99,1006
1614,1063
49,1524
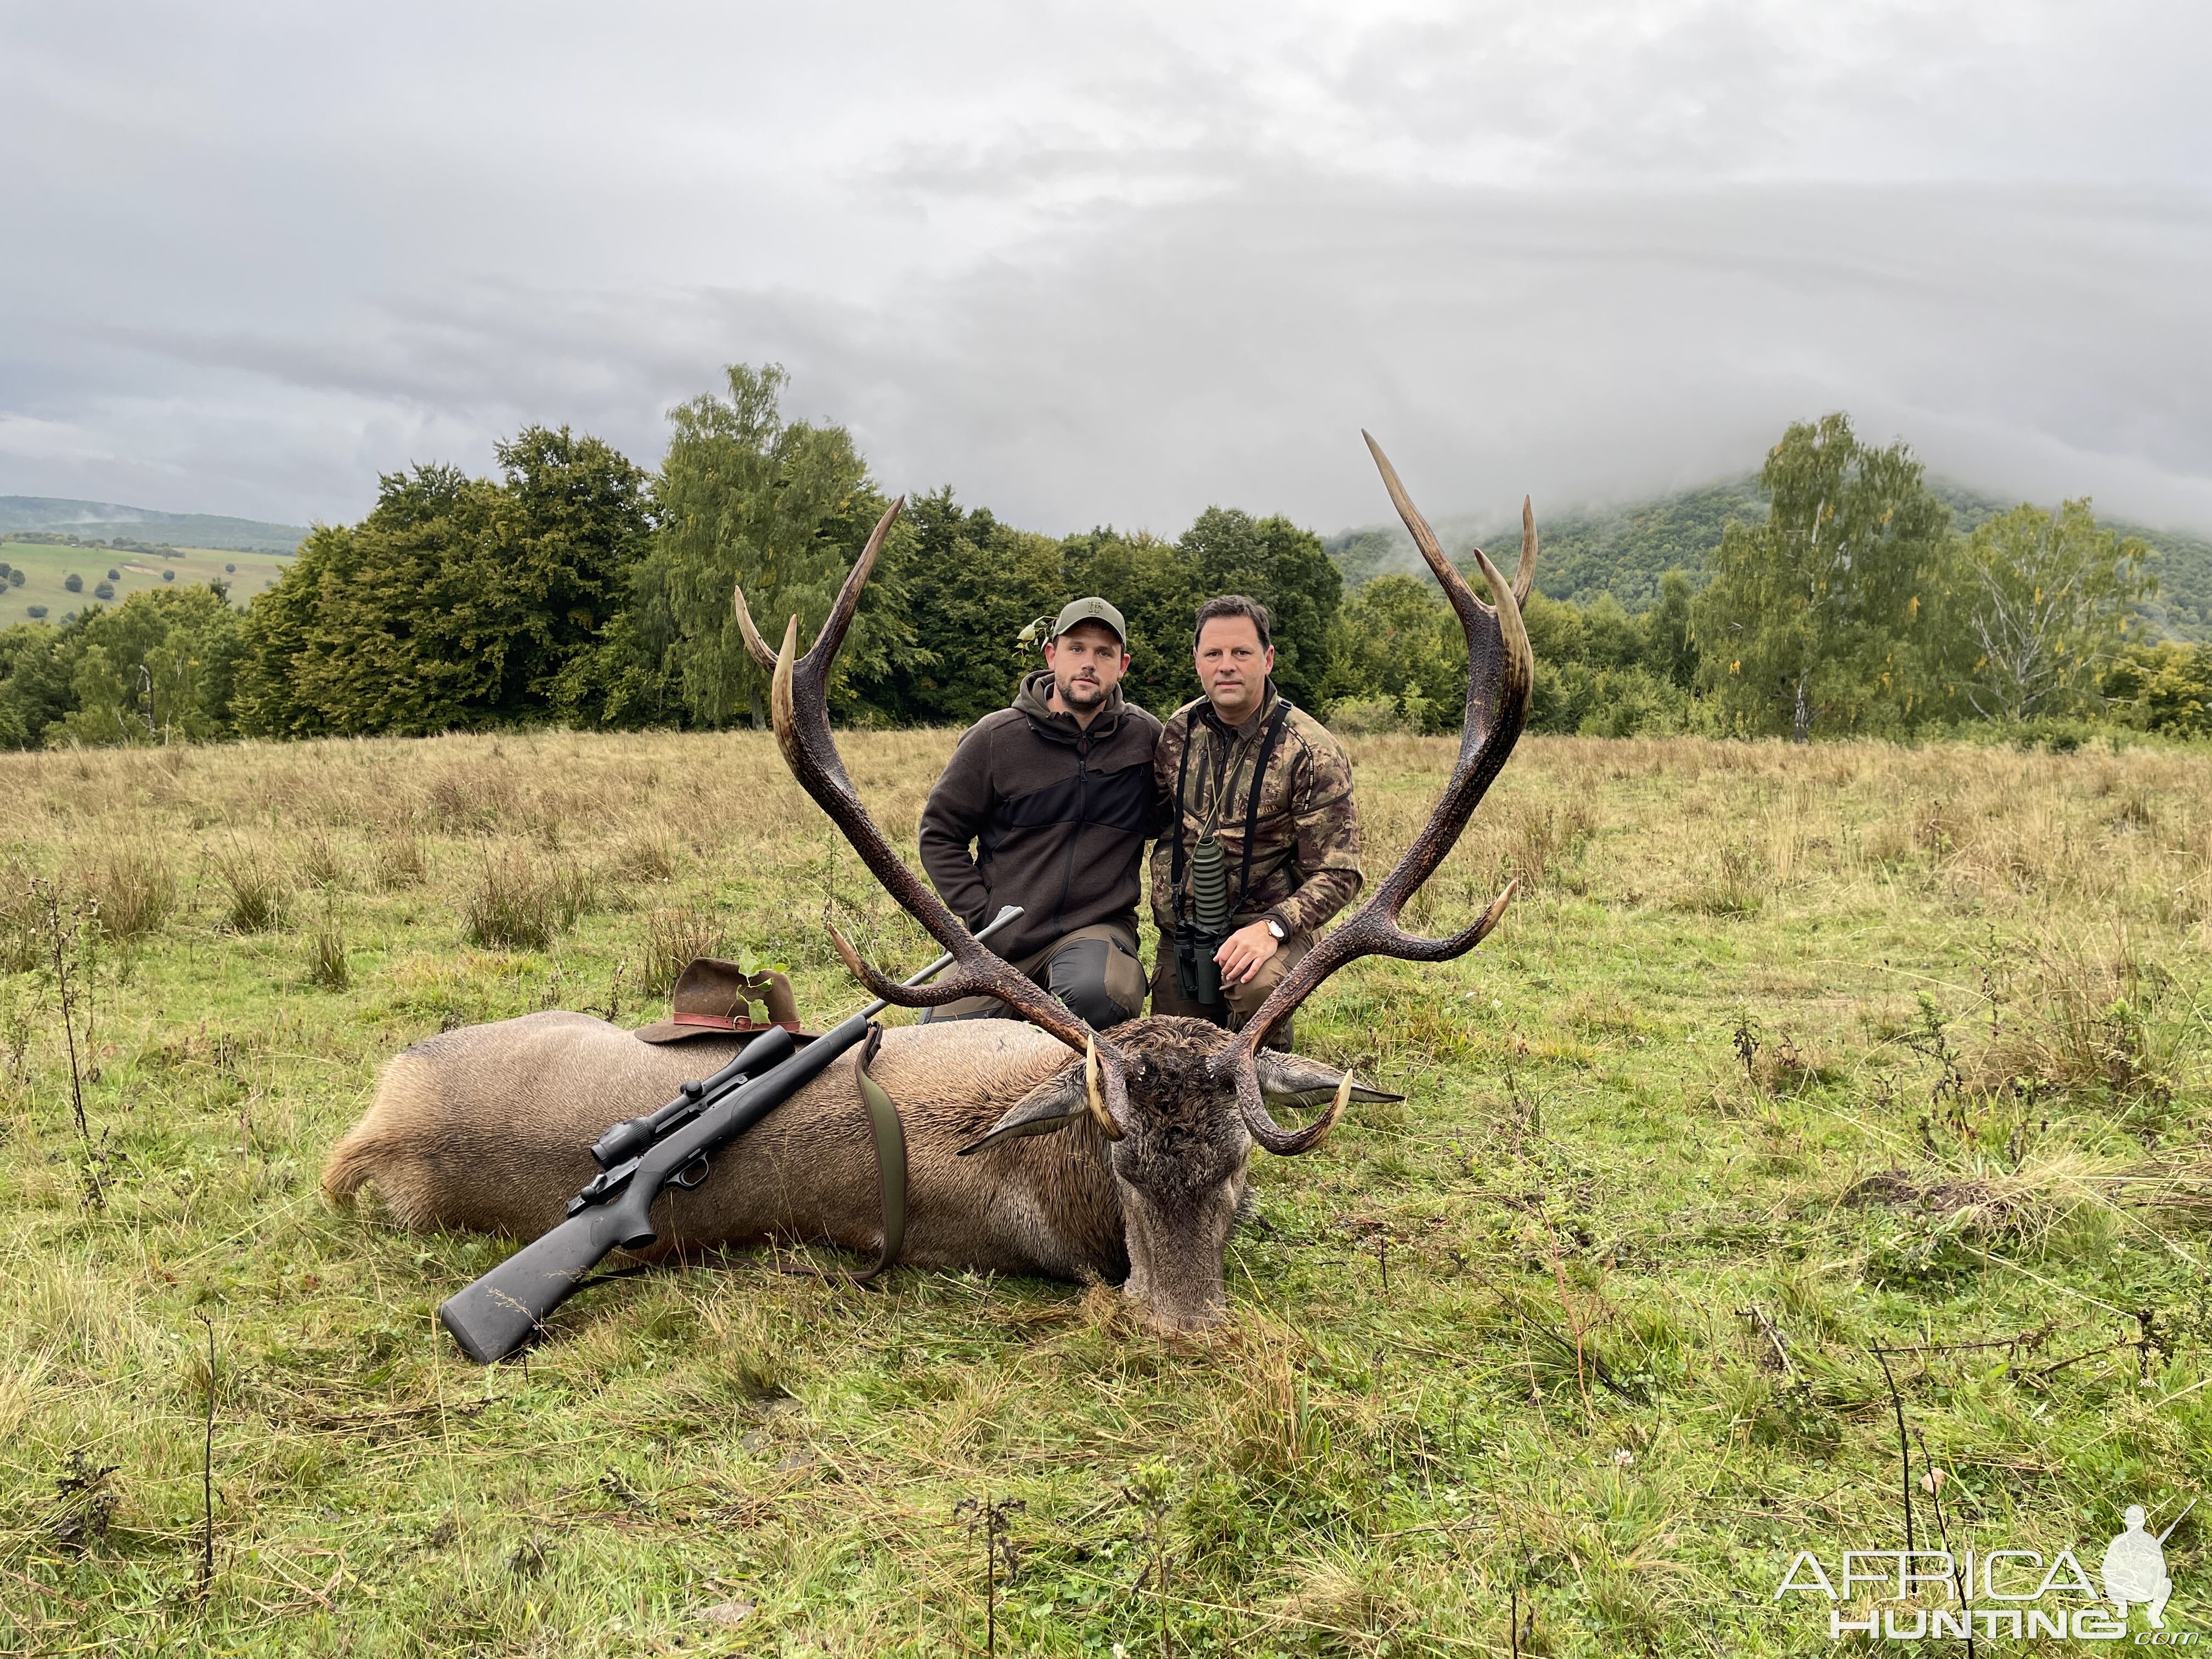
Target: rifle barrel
x,y
1006,914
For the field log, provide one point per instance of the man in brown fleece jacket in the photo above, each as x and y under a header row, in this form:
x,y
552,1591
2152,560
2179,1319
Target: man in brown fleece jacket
x,y
1047,804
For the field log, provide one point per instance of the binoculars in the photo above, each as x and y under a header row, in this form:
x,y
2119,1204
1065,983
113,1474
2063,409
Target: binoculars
x,y
1199,933
1197,974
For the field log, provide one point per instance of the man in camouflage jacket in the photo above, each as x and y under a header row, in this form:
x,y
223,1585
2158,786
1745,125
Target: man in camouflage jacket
x,y
1300,864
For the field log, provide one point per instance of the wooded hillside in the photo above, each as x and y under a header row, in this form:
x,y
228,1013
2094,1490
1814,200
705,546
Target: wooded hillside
x,y
1840,592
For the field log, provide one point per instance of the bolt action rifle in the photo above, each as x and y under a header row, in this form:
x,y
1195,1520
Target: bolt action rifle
x,y
672,1147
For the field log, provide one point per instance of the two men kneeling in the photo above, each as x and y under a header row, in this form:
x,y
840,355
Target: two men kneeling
x,y
1048,804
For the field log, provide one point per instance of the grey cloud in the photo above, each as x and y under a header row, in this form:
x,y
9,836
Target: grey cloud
x,y
1577,346
1094,263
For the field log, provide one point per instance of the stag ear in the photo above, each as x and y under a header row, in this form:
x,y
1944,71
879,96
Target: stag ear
x,y
1295,1082
1055,1105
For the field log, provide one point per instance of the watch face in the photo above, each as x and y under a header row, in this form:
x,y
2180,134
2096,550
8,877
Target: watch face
x,y
1276,929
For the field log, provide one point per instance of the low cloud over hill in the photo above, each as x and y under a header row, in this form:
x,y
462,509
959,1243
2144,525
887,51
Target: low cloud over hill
x,y
105,520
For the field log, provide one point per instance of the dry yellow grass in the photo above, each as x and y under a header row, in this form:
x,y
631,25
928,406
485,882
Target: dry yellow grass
x,y
1876,1045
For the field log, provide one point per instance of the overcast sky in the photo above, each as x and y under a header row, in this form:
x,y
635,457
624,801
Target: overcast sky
x,y
1111,263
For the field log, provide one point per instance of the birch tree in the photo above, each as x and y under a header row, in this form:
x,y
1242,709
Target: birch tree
x,y
1813,614
2046,599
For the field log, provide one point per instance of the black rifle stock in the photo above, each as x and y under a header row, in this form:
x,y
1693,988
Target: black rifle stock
x,y
497,1315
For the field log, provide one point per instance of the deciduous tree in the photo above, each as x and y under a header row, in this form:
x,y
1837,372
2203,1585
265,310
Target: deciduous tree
x,y
1150,582
2165,687
1811,614
782,508
973,585
1285,569
2044,601
158,668
457,602
1395,641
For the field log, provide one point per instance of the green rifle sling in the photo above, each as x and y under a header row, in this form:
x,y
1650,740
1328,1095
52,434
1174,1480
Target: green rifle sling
x,y
889,1135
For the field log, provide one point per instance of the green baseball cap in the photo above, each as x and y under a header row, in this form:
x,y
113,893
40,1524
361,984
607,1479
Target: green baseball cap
x,y
1090,610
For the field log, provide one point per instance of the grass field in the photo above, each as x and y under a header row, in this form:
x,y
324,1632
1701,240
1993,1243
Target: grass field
x,y
1781,1056
46,566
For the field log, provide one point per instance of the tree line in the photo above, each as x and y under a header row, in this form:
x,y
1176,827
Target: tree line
x,y
577,588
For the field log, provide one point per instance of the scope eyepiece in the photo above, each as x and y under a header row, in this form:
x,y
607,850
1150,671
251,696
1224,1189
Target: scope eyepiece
x,y
624,1140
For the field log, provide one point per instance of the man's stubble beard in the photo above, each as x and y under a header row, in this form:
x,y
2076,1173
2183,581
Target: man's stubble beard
x,y
1082,695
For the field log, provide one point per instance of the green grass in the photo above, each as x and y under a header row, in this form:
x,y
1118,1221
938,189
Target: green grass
x,y
46,566
1779,1055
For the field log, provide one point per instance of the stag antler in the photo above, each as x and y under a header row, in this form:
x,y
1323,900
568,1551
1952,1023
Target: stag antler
x,y
1499,672
798,698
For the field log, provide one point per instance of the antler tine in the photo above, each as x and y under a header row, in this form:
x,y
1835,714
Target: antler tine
x,y
798,697
1284,1143
948,988
756,647
1461,597
1501,671
832,636
1524,579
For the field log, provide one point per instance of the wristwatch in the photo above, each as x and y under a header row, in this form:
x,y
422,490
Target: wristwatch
x,y
1273,927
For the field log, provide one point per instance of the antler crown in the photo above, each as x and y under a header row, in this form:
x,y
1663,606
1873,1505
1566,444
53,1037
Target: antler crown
x,y
1501,673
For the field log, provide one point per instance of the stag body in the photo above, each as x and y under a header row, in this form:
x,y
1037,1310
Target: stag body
x,y
486,1128
1150,1134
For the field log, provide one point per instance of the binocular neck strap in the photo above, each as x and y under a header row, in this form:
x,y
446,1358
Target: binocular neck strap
x,y
1175,859
1252,806
1178,859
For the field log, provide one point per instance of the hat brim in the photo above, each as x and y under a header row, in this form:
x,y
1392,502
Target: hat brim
x,y
670,1030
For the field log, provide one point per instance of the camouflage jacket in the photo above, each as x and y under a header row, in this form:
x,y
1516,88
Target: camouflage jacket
x,y
1305,851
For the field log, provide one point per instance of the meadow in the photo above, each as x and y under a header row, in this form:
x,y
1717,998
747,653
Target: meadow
x,y
46,567
1792,1073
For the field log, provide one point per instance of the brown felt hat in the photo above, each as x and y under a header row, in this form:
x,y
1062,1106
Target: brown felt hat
x,y
714,997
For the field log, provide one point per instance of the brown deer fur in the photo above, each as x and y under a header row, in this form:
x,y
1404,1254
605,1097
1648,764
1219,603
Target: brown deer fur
x,y
485,1128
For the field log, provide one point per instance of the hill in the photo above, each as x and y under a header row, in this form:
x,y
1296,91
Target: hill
x,y
1625,550
1620,551
2182,609
106,521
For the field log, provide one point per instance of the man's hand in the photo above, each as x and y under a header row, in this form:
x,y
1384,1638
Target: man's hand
x,y
1245,952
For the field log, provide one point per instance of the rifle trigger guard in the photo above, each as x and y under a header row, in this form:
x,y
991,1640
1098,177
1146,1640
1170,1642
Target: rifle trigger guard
x,y
691,1174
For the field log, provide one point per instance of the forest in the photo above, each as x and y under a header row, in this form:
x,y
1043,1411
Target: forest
x,y
1842,595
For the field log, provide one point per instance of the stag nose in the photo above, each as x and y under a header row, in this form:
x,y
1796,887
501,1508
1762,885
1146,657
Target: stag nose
x,y
1183,1319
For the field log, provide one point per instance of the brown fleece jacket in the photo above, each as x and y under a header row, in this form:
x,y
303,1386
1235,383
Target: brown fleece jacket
x,y
1057,816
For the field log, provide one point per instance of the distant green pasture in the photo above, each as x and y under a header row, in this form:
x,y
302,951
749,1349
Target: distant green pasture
x,y
46,566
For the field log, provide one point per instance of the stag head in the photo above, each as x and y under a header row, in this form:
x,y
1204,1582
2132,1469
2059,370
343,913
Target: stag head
x,y
1175,1106
1180,1155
